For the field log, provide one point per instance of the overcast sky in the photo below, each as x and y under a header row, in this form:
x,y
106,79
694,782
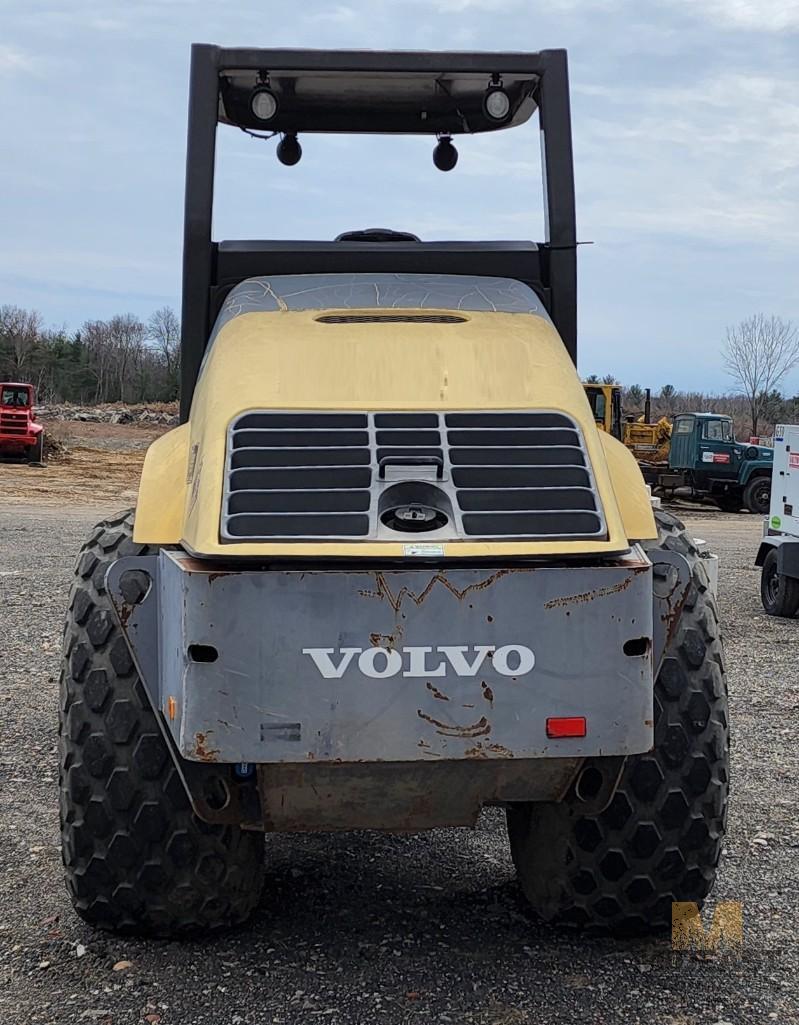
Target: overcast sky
x,y
686,127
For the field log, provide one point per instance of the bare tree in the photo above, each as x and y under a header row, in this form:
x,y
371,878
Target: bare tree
x,y
127,334
635,396
21,330
758,353
163,329
667,397
97,339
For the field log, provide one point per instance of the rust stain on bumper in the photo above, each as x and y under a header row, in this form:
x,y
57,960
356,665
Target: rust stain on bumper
x,y
477,729
586,596
487,750
671,617
388,641
202,750
385,593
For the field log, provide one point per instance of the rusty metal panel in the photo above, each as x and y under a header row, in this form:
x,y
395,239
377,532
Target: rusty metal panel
x,y
405,796
336,665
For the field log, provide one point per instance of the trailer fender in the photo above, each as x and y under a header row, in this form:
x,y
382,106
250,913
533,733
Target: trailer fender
x,y
787,549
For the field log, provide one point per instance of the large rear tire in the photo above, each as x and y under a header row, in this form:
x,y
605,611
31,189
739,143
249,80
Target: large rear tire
x,y
36,451
757,495
136,857
659,839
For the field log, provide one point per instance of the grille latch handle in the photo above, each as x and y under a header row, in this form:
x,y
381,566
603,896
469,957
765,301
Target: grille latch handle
x,y
411,460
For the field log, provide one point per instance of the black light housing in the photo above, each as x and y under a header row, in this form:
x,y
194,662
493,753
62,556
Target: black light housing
x,y
445,156
263,103
289,150
496,103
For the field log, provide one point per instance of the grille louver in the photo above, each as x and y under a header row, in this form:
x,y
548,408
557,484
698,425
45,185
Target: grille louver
x,y
14,423
522,475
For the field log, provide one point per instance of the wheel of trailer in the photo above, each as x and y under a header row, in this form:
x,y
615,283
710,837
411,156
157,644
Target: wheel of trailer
x,y
136,856
659,839
757,495
36,451
730,503
779,594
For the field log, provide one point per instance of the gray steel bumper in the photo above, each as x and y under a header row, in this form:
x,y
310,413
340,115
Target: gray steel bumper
x,y
334,666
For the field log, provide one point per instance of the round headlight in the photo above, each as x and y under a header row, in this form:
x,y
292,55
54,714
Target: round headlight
x,y
263,104
497,104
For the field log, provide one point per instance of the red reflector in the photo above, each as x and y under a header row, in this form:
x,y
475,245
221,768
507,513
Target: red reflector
x,y
566,726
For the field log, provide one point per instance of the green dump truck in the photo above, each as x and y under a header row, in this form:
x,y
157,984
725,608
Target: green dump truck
x,y
705,457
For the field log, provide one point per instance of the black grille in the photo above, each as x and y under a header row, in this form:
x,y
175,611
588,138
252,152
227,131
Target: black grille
x,y
521,474
298,475
14,423
320,475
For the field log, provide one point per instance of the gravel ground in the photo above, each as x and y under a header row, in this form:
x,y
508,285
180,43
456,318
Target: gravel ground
x,y
368,928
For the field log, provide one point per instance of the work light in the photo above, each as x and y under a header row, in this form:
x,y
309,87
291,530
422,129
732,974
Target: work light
x,y
496,103
263,103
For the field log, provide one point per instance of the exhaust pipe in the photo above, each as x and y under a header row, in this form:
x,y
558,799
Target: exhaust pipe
x,y
648,407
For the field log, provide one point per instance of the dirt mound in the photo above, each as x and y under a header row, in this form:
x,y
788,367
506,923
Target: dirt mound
x,y
83,477
55,450
162,414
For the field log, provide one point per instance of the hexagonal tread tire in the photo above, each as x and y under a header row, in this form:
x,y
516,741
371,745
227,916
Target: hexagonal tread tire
x,y
136,857
659,839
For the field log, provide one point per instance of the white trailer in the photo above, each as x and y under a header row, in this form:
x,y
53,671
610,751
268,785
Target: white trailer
x,y
778,555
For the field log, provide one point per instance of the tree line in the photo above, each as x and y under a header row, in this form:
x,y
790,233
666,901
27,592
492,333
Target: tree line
x,y
126,359
123,359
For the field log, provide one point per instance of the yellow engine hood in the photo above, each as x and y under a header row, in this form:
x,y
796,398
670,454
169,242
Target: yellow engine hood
x,y
293,360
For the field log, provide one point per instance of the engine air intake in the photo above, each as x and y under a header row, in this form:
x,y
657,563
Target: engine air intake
x,y
381,476
390,318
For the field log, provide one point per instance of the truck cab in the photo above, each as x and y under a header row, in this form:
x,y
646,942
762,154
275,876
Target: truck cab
x,y
605,403
20,435
706,456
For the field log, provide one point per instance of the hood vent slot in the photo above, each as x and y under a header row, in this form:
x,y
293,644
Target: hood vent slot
x,y
390,318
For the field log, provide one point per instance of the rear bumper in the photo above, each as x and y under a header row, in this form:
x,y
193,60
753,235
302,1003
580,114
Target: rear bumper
x,y
294,667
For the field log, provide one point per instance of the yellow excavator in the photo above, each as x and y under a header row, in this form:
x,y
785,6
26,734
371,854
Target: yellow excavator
x,y
648,441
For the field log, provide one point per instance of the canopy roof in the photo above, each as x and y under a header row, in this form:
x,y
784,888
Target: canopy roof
x,y
379,292
405,92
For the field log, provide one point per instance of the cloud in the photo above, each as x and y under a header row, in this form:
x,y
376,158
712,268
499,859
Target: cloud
x,y
13,60
749,15
339,14
713,159
507,6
